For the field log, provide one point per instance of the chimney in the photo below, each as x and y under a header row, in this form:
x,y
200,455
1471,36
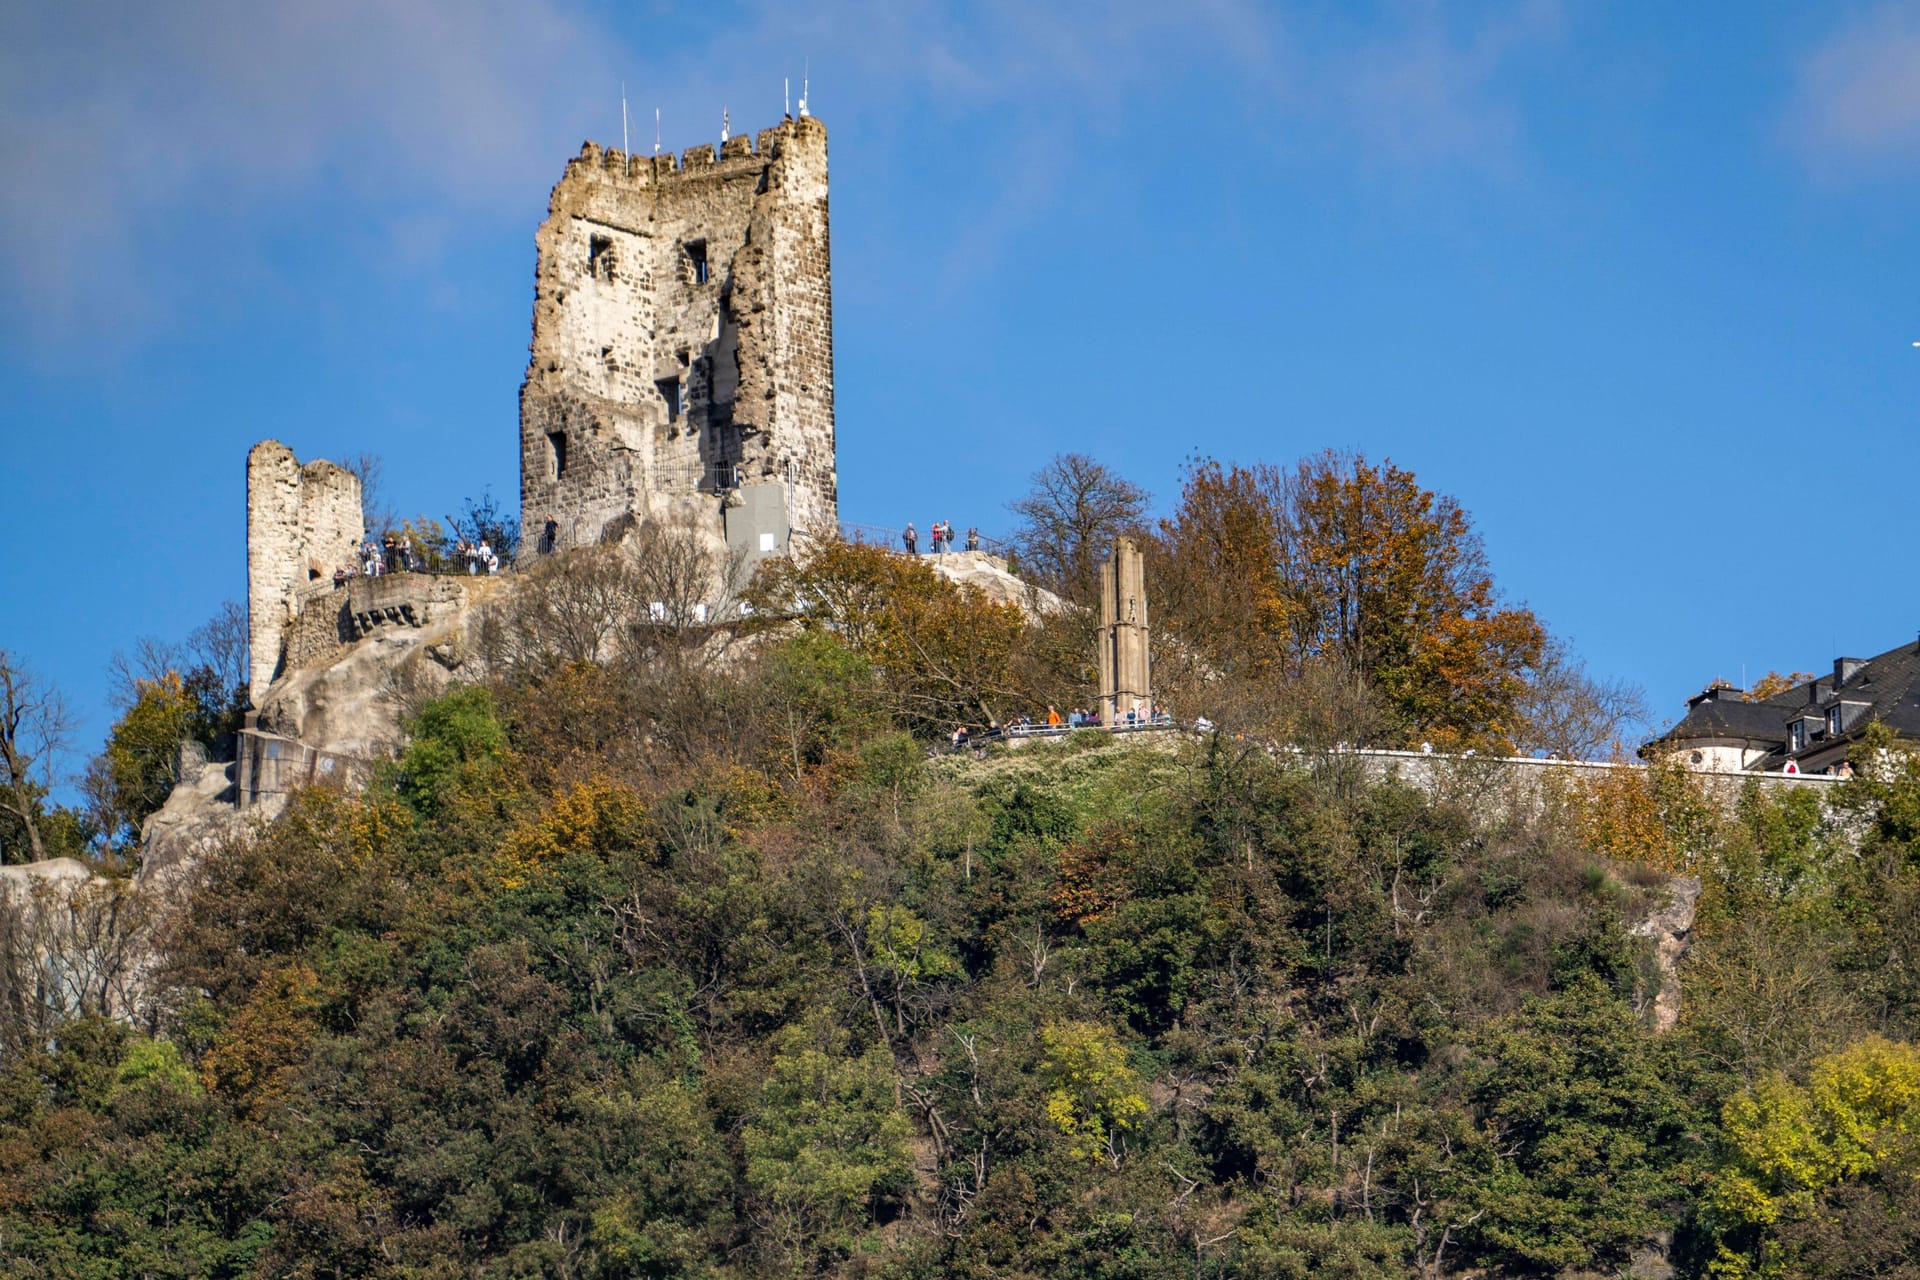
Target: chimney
x,y
1844,669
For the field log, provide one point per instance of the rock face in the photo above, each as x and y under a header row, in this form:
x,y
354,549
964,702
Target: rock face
x,y
71,943
199,812
400,637
682,341
989,574
303,522
1671,928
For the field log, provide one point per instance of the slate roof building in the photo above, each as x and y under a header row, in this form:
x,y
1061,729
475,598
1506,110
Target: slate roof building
x,y
1806,729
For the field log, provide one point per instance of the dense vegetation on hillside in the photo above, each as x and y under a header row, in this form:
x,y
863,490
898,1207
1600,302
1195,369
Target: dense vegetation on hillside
x,y
811,1003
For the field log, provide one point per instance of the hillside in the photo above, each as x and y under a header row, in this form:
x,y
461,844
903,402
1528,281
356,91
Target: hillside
x,y
804,1001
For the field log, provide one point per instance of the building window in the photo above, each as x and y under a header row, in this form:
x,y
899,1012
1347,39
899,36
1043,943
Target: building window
x,y
670,392
557,454
697,260
1834,720
1797,734
600,257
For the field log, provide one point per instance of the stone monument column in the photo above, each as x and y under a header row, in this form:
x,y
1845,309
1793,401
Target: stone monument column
x,y
1122,656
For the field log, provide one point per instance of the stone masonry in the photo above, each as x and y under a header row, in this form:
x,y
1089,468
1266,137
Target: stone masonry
x,y
682,339
302,523
1122,657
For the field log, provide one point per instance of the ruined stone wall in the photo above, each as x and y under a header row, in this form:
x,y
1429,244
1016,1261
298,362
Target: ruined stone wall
x,y
682,337
302,523
319,632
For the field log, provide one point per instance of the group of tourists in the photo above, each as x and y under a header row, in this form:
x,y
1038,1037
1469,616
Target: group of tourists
x,y
478,556
396,553
941,533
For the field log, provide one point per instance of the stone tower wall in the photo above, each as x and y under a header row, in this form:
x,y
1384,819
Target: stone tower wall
x,y
624,324
1125,681
303,522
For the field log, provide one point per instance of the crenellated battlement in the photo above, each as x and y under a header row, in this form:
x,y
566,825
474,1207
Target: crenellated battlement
x,y
738,154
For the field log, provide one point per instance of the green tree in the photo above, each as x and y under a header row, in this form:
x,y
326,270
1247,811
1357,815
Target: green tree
x,y
943,653
825,1145
138,770
1581,1126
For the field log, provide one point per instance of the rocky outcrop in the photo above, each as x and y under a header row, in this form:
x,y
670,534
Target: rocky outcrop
x,y
1670,928
989,574
406,635
71,942
198,814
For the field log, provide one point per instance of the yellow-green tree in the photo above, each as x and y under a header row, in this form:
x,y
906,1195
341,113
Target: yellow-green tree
x,y
1857,1117
825,1145
1093,1096
141,763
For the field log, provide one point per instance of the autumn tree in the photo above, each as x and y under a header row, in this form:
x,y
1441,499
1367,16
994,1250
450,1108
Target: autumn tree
x,y
943,653
1068,522
1775,683
211,665
1266,570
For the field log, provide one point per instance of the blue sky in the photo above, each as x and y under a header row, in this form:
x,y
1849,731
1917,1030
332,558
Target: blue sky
x,y
1635,284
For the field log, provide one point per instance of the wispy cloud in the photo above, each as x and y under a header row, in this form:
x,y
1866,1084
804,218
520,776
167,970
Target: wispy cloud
x,y
148,152
1858,102
120,125
1426,90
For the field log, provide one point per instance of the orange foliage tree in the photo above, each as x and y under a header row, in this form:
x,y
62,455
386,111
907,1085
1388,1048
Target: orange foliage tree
x,y
1775,683
1339,562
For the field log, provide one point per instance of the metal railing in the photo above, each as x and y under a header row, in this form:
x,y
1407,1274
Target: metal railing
x,y
1158,722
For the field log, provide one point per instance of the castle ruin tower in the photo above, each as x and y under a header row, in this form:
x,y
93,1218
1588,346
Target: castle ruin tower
x,y
1122,657
682,356
303,522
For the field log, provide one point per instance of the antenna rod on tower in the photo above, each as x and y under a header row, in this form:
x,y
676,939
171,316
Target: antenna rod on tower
x,y
656,131
786,108
625,149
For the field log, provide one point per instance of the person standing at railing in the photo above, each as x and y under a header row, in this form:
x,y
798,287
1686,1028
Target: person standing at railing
x,y
973,538
910,539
